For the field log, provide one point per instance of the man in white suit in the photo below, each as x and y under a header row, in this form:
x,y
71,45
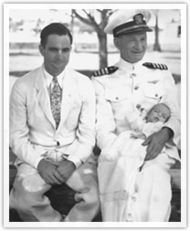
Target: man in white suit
x,y
52,133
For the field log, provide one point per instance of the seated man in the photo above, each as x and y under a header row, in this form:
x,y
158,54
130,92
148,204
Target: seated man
x,y
52,133
134,83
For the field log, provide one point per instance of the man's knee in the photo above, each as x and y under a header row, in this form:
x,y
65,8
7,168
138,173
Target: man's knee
x,y
159,179
90,196
92,200
94,195
26,192
156,170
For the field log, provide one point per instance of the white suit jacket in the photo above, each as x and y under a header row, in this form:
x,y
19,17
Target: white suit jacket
x,y
32,127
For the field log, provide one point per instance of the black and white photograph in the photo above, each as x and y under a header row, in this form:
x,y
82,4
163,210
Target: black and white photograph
x,y
95,115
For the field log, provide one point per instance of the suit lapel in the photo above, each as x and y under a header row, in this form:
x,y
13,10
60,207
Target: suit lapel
x,y
69,90
43,97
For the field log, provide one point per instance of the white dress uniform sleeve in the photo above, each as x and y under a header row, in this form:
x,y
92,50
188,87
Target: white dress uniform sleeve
x,y
150,128
170,98
105,124
19,130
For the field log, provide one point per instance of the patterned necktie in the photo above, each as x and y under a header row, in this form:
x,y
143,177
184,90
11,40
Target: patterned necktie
x,y
55,99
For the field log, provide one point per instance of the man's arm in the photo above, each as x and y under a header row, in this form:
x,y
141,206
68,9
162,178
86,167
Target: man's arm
x,y
105,123
19,130
84,142
172,100
156,142
171,130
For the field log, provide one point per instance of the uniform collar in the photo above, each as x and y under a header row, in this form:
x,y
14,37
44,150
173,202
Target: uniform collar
x,y
124,65
48,78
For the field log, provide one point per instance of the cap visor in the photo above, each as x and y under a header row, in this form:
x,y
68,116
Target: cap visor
x,y
134,30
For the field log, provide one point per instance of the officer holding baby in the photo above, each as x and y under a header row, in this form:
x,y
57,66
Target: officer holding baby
x,y
134,85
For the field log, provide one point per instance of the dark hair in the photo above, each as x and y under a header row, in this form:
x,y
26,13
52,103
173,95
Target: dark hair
x,y
54,28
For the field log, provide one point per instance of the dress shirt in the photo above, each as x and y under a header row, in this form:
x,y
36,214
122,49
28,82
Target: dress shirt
x,y
49,83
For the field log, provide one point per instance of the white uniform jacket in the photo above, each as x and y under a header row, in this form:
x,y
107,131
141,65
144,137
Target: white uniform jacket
x,y
32,127
130,87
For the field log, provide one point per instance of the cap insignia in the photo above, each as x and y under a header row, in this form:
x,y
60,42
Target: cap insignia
x,y
138,18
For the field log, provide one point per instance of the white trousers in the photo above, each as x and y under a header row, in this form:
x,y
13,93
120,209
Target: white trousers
x,y
141,196
27,195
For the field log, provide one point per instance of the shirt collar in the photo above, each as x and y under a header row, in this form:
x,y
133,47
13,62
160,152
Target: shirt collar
x,y
124,65
49,78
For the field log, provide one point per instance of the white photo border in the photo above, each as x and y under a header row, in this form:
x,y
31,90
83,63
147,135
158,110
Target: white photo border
x,y
184,89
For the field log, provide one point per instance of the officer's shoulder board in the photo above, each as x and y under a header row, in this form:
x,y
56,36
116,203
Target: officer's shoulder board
x,y
155,66
104,71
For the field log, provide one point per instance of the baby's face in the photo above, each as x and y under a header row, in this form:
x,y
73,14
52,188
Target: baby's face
x,y
158,113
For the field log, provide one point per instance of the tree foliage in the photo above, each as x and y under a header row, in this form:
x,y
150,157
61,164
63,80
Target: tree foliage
x,y
97,19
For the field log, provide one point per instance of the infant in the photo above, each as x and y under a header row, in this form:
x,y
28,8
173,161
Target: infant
x,y
153,121
129,142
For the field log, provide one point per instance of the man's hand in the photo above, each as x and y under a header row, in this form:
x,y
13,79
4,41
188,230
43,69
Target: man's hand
x,y
49,173
156,142
65,169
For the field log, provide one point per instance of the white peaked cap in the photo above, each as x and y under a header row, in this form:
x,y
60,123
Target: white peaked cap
x,y
128,21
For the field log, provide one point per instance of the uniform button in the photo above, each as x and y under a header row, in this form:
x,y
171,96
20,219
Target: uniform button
x,y
138,106
58,143
133,75
136,87
116,98
133,198
129,217
156,95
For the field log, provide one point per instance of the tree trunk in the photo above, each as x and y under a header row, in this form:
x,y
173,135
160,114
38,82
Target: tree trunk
x,y
156,42
103,54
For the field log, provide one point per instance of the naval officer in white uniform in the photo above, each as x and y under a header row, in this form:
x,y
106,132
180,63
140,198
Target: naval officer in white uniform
x,y
132,85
